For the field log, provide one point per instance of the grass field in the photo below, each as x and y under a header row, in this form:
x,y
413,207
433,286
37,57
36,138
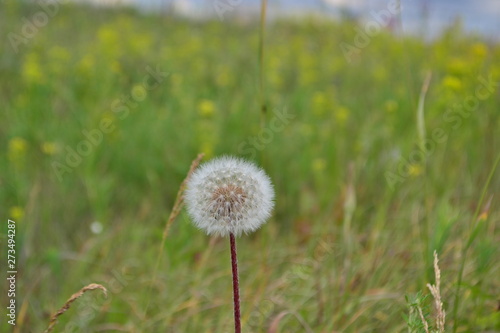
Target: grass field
x,y
104,110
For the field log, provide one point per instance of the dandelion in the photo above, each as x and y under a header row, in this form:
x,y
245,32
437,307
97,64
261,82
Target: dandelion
x,y
228,197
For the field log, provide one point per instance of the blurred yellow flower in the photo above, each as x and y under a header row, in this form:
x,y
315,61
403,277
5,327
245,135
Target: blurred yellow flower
x,y
275,78
32,70
319,103
206,108
108,35
58,53
479,50
49,148
318,165
458,67
109,41
414,170
208,148
341,114
176,80
391,105
452,83
16,213
223,78
139,92
140,43
115,67
308,77
17,146
380,73
58,60
86,64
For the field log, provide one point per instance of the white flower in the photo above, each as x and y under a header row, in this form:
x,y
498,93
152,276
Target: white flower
x,y
229,195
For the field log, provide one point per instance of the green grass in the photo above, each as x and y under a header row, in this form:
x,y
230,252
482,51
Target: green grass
x,y
328,271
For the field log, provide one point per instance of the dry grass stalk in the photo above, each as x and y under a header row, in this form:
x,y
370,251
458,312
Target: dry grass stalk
x,y
179,200
422,317
74,297
435,291
178,204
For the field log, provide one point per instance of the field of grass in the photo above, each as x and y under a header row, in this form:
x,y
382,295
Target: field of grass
x,y
102,112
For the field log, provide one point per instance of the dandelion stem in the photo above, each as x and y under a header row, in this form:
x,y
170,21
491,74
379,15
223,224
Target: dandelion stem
x,y
236,287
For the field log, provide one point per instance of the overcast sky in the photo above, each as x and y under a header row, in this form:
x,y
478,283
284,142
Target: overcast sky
x,y
478,15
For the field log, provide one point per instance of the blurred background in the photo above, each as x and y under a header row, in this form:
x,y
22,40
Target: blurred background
x,y
424,17
377,123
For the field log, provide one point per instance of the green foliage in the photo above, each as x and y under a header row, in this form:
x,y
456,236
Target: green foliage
x,y
416,303
83,76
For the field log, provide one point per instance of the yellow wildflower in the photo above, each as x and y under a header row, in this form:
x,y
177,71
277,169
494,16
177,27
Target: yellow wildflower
x,y
17,146
341,114
223,78
414,170
479,50
16,213
380,74
391,105
58,53
139,92
320,103
206,108
49,148
32,70
452,83
318,165
208,148
107,35
86,64
115,67
457,67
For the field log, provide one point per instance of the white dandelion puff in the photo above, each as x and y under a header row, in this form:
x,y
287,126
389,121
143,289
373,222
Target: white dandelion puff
x,y
229,196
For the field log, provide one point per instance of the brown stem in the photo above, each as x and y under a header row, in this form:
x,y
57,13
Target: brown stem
x,y
236,287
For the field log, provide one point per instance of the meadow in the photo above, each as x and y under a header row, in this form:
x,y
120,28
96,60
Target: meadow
x,y
103,111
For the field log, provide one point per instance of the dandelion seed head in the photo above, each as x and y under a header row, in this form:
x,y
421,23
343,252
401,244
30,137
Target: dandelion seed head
x,y
229,195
